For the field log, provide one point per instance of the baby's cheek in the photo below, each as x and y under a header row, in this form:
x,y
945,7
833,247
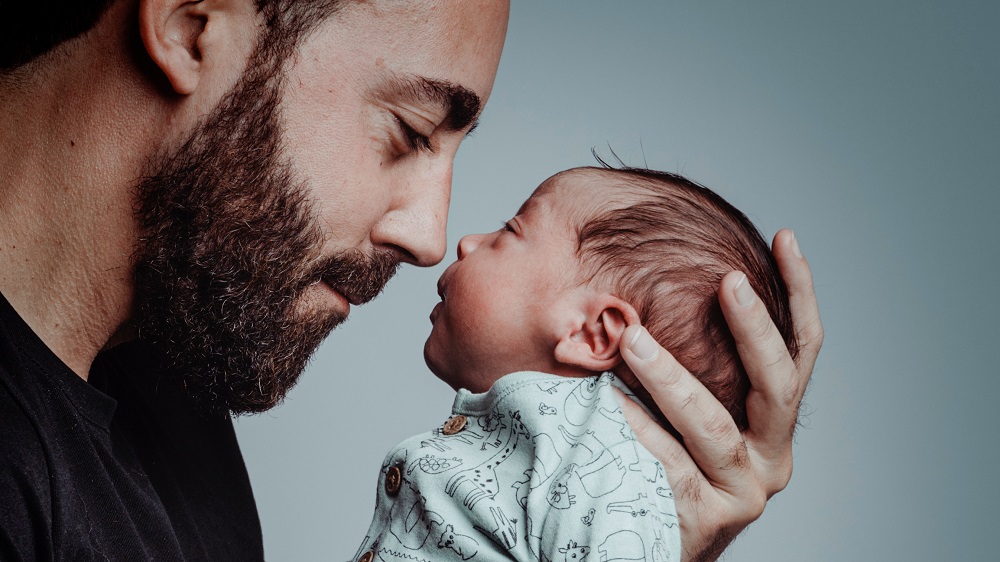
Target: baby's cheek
x,y
477,309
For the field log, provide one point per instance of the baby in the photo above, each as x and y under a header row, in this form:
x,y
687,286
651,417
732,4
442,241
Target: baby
x,y
536,461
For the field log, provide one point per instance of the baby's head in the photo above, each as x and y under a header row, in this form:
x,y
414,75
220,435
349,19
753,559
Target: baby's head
x,y
592,251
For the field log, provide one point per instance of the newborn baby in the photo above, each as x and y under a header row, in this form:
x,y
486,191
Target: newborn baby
x,y
536,461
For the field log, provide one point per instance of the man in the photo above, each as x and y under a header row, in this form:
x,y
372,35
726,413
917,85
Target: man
x,y
195,193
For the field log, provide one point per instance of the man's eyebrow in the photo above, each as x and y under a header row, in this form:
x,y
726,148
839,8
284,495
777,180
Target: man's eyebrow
x,y
461,104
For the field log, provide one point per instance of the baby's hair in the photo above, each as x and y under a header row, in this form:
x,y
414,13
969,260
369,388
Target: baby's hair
x,y
664,247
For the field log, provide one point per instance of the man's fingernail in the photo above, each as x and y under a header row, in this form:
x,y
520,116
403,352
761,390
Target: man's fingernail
x,y
643,346
743,292
795,246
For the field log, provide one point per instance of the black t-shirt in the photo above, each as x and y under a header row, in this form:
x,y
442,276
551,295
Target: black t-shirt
x,y
120,468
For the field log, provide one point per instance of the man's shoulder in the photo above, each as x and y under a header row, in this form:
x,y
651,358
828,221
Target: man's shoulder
x,y
25,493
20,440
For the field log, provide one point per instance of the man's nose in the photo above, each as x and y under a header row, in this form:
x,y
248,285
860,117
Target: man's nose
x,y
416,225
468,244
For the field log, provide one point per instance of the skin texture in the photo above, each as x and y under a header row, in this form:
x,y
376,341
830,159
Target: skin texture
x,y
228,252
154,70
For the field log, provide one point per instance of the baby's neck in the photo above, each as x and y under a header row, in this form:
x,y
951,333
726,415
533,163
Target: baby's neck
x,y
483,380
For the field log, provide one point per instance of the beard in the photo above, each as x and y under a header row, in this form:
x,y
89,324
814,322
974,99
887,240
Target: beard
x,y
228,247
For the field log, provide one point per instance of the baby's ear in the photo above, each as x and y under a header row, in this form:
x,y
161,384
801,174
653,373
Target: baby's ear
x,y
591,342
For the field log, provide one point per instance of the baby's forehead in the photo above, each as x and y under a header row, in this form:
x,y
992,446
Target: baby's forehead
x,y
579,191
576,180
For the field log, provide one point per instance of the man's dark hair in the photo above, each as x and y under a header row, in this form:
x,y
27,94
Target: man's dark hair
x,y
32,28
665,251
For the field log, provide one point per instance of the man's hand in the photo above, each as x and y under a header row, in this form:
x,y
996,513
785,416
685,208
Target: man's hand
x,y
721,477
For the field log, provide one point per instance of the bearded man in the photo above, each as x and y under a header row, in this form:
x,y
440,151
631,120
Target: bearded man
x,y
194,193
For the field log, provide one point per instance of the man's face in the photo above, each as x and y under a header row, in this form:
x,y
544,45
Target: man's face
x,y
501,301
305,188
375,106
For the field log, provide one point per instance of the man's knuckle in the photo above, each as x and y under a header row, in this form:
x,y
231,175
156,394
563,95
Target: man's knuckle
x,y
671,381
791,394
720,427
689,488
739,455
639,425
760,331
811,333
784,475
690,400
658,378
780,476
675,456
756,504
819,335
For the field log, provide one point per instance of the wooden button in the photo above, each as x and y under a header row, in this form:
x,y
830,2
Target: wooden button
x,y
454,425
367,557
393,480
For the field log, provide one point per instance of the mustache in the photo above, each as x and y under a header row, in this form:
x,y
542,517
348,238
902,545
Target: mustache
x,y
358,276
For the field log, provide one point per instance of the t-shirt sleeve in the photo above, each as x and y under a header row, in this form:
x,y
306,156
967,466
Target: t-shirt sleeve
x,y
592,488
25,498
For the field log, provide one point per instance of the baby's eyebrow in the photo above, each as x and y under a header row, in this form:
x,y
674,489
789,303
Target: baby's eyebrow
x,y
460,104
528,203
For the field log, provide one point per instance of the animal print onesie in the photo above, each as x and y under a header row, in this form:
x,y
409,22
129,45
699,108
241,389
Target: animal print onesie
x,y
539,468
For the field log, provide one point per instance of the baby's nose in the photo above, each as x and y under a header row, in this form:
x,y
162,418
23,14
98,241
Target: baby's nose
x,y
468,244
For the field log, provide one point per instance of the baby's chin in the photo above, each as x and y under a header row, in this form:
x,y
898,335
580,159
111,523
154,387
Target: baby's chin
x,y
477,384
441,371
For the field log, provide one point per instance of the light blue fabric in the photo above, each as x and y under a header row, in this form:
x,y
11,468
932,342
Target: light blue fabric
x,y
546,469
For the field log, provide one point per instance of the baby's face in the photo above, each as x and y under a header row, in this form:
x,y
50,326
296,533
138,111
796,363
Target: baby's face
x,y
498,299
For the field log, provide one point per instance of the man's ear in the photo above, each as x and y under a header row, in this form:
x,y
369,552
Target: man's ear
x,y
592,340
172,33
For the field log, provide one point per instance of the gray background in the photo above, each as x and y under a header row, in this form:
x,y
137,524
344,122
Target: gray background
x,y
871,128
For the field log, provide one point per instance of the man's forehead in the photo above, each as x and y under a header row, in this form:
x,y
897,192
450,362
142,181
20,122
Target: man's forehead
x,y
446,43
